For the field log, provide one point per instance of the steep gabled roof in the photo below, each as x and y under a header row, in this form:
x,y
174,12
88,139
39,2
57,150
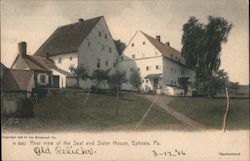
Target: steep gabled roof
x,y
166,50
17,79
35,62
67,38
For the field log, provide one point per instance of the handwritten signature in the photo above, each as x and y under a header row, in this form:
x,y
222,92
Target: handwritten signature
x,y
63,150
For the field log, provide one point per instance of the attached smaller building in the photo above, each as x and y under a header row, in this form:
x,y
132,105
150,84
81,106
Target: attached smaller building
x,y
41,67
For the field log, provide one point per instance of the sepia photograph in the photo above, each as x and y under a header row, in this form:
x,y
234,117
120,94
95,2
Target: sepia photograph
x,y
125,80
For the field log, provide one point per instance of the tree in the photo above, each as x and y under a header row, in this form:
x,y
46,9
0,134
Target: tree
x,y
234,87
135,79
202,47
120,46
115,81
219,81
100,76
80,72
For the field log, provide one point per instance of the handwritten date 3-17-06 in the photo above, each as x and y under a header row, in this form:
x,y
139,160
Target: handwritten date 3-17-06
x,y
64,150
173,153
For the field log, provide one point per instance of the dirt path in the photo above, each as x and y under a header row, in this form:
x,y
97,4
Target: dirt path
x,y
179,116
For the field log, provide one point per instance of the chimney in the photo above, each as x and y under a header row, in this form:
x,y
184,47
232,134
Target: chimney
x,y
80,20
22,48
158,38
167,44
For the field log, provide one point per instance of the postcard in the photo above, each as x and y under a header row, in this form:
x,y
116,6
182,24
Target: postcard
x,y
125,80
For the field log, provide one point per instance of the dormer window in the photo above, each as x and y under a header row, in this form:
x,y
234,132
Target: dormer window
x,y
132,44
143,43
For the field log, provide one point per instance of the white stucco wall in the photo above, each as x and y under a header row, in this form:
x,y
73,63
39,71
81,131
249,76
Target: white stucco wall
x,y
145,55
99,48
67,60
20,64
172,71
62,78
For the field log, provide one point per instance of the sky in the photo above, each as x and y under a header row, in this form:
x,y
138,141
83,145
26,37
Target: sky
x,y
34,21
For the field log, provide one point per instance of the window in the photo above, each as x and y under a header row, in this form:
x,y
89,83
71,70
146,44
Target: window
x,y
171,81
114,65
171,55
143,43
157,67
121,57
156,53
176,58
172,69
106,63
174,82
146,80
42,79
88,43
147,68
133,56
179,60
70,58
100,34
59,60
138,69
106,36
110,49
131,69
132,44
98,63
103,47
182,72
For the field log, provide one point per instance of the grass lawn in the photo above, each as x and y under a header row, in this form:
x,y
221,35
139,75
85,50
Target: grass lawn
x,y
67,113
211,111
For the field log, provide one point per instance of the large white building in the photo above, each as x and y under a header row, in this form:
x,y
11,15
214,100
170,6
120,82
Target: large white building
x,y
159,64
86,42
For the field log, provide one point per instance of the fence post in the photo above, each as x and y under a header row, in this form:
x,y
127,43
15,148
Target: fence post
x,y
224,125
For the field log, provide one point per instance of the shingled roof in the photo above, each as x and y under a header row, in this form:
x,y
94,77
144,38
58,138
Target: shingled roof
x,y
166,50
17,79
67,38
40,63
